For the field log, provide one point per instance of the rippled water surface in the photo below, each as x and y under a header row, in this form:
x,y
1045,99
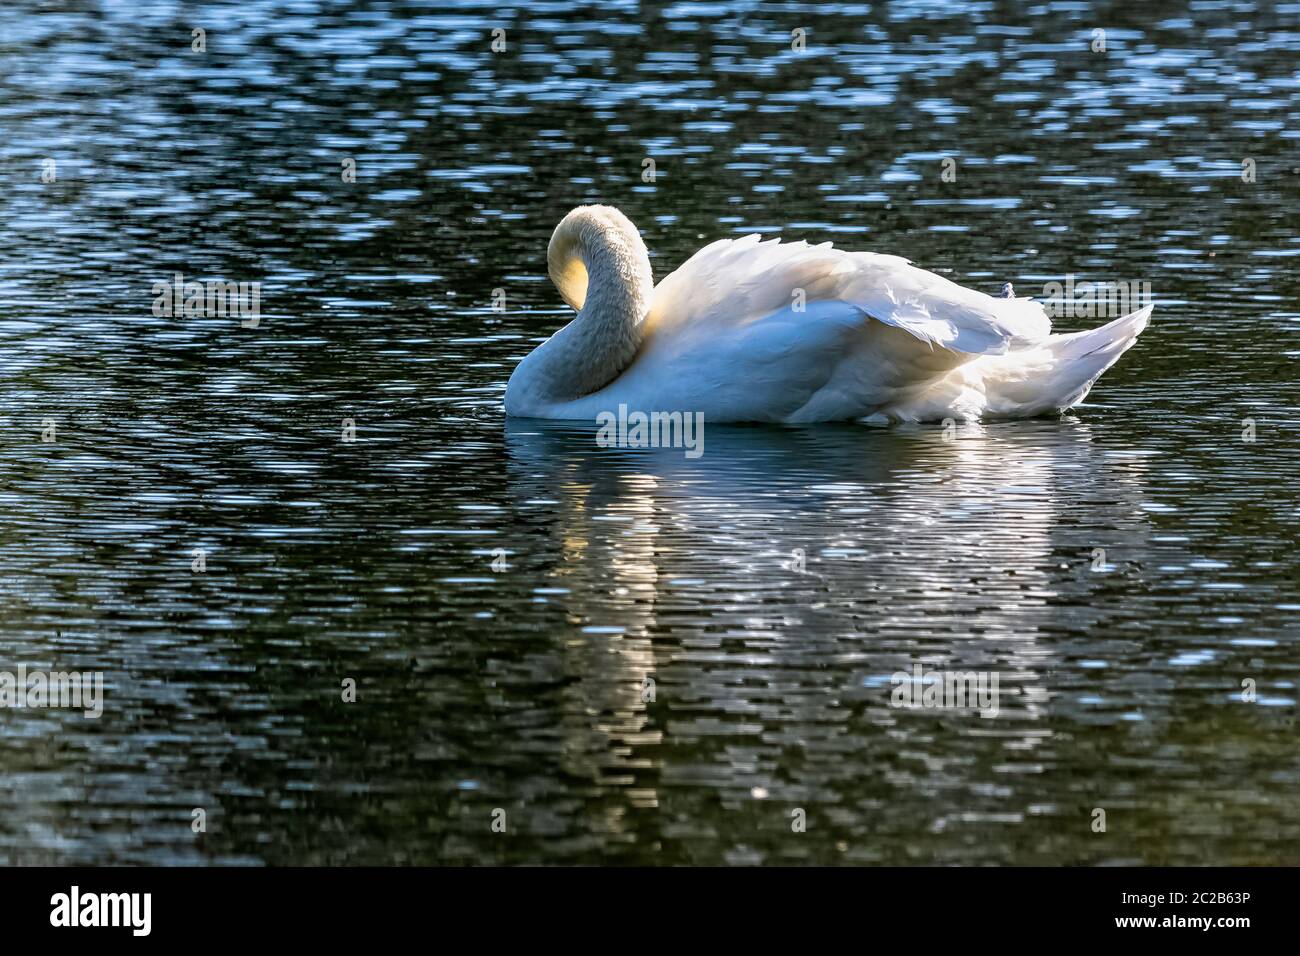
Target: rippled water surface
x,y
672,656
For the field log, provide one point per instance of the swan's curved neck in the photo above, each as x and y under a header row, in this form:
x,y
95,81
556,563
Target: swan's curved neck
x,y
601,268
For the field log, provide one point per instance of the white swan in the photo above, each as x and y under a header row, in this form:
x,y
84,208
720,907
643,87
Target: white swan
x,y
786,332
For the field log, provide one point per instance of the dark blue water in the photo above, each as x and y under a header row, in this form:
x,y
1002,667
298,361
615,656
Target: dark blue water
x,y
766,592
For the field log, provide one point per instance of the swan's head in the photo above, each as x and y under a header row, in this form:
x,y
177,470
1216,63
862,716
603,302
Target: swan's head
x,y
596,238
600,265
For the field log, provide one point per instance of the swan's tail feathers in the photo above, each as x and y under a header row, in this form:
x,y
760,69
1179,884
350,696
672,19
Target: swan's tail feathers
x,y
1081,357
1058,374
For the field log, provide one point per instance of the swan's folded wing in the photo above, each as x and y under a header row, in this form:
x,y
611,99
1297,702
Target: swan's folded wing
x,y
735,282
828,362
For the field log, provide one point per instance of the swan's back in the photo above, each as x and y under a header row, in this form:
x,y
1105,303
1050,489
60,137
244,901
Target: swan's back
x,y
734,282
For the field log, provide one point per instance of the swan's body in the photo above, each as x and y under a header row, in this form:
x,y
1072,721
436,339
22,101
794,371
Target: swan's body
x,y
786,332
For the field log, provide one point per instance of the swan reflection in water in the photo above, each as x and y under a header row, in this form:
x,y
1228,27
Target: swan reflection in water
x,y
771,587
